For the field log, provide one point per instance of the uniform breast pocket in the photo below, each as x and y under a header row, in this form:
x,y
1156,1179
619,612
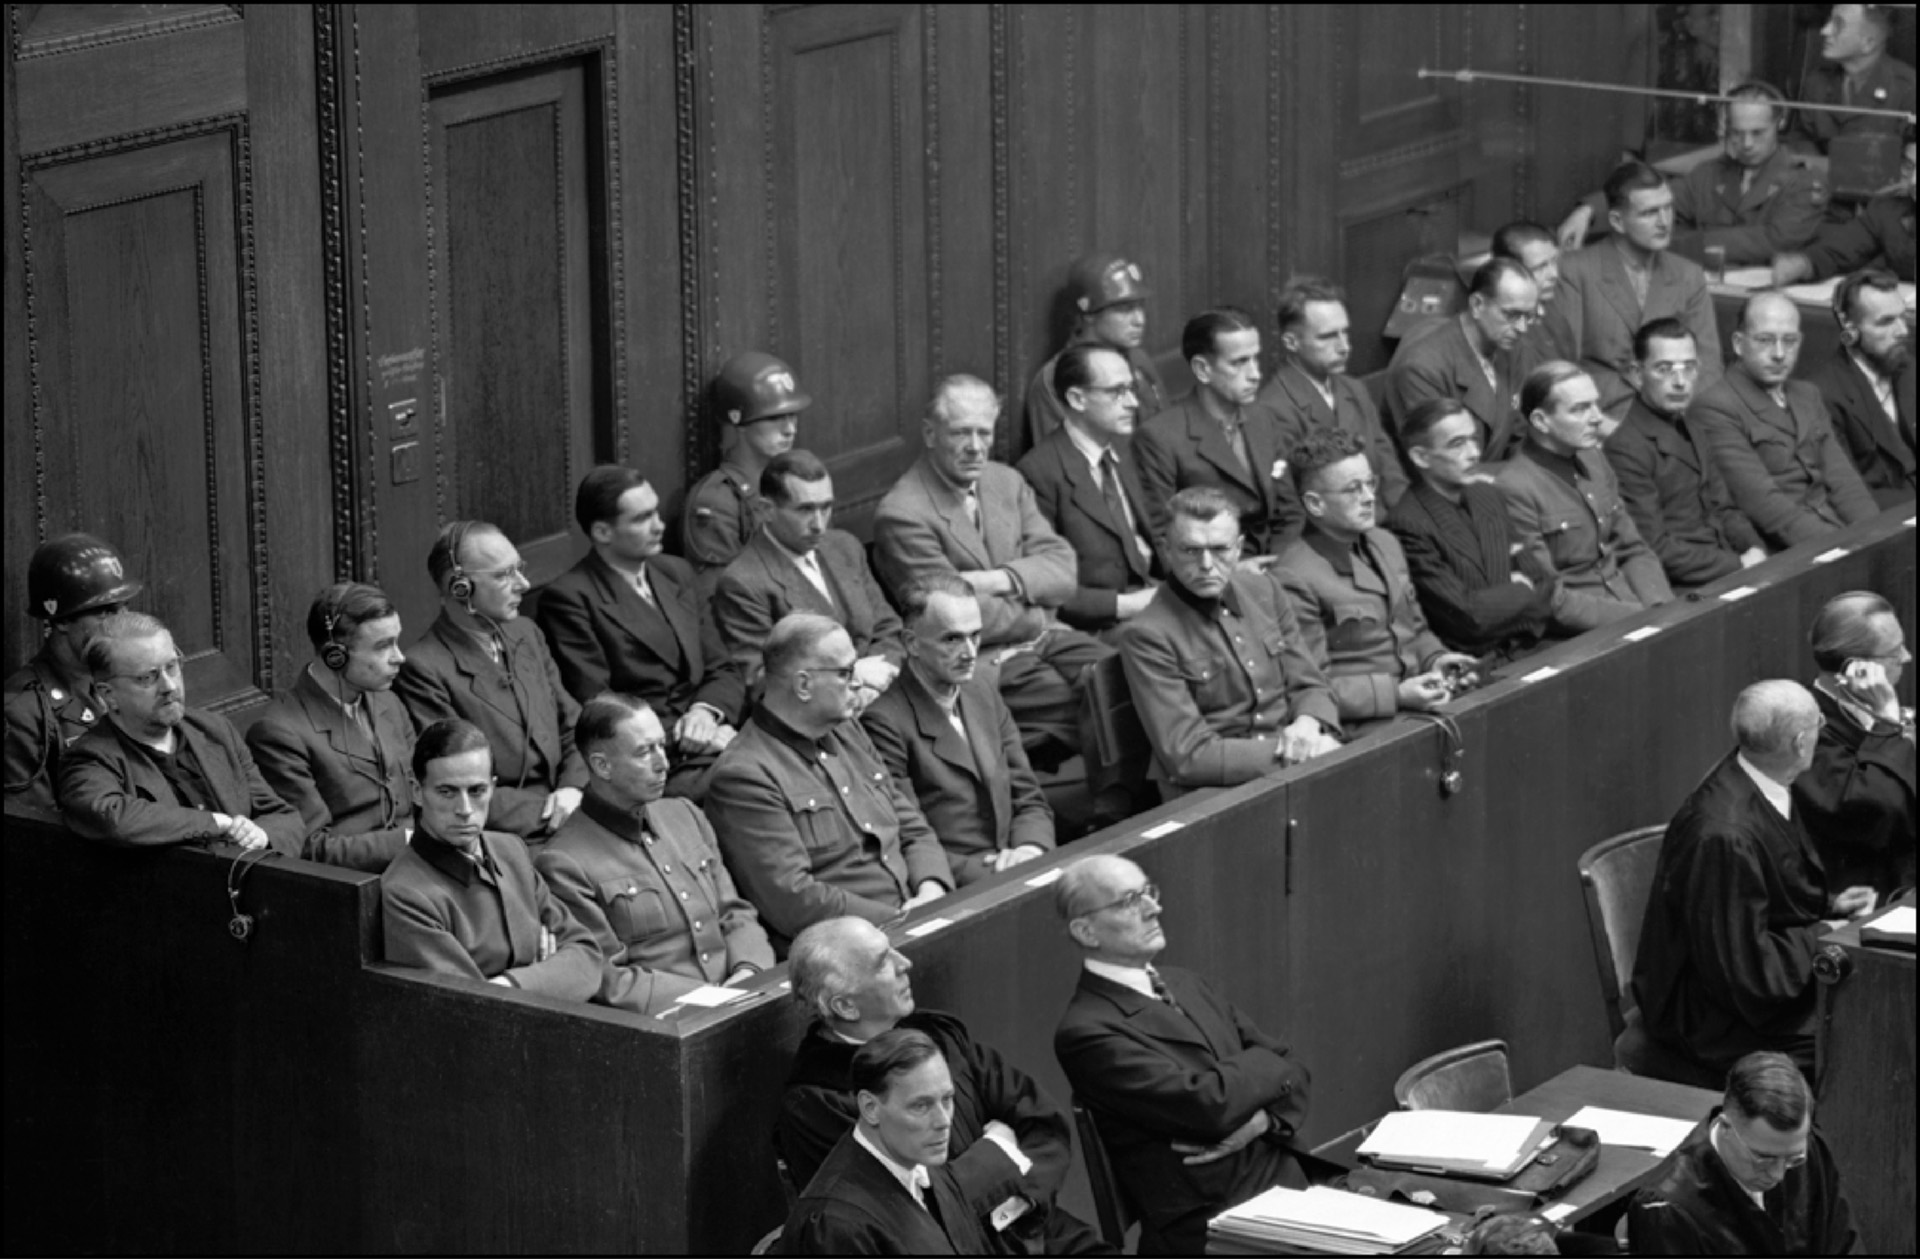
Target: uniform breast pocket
x,y
633,911
1563,533
1206,678
1353,626
1775,449
813,817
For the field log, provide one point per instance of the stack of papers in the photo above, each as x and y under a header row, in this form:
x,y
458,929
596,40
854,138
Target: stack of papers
x,y
1330,1221
1456,1141
1628,1128
1894,927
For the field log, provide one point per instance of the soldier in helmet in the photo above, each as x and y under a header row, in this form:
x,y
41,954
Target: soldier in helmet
x,y
754,395
1109,298
73,583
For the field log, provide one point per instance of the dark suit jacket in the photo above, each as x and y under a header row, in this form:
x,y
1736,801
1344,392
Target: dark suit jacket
x,y
921,528
817,1109
110,788
1461,559
1786,470
1725,965
1152,1075
1182,446
441,915
355,798
854,1206
1594,316
1070,499
1437,362
1301,409
1674,493
978,794
763,584
607,638
1880,446
1857,801
1884,229
523,710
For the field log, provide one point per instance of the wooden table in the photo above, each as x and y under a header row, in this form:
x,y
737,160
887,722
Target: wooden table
x,y
1866,1106
1596,1201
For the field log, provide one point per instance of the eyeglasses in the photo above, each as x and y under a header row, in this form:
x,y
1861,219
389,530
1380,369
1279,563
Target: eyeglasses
x,y
1131,902
1115,392
150,680
1355,489
1796,1159
507,573
844,674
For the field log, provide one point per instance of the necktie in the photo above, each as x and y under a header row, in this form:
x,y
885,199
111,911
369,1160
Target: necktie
x,y
1160,989
498,646
1779,396
1237,438
1746,180
810,567
641,586
1117,503
973,507
928,1199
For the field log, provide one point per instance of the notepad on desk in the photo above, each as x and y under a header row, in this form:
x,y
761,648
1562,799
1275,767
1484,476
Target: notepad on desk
x,y
1632,1129
1455,1142
1328,1221
1893,928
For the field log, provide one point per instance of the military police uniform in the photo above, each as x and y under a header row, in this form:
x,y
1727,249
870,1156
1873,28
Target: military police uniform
x,y
1887,84
725,508
1093,284
1778,210
47,712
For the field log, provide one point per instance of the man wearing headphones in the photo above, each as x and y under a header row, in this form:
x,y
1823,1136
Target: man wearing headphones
x,y
1753,201
479,661
336,745
73,583
1868,384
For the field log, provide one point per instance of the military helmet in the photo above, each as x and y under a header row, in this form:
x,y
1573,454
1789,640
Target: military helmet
x,y
755,386
1102,280
73,574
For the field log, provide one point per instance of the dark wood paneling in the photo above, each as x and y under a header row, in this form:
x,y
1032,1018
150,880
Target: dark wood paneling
x,y
510,167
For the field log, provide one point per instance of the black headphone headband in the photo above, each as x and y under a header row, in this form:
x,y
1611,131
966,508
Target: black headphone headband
x,y
333,652
459,581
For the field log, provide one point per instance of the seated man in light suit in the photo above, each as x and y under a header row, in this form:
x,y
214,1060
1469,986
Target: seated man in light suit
x,y
1195,1104
338,746
1565,508
887,1187
482,663
955,512
156,771
1219,671
1088,488
1611,287
809,820
1772,438
643,873
947,738
627,618
1349,584
797,562
466,901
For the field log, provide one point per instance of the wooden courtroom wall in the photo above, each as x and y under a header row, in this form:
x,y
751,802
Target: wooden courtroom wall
x,y
287,287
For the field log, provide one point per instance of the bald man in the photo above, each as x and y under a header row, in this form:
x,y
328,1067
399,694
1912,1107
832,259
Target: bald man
x,y
1195,1104
1739,903
1771,436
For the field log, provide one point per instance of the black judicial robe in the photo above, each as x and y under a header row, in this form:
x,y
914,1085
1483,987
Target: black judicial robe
x,y
1858,800
1733,922
854,1206
1696,1207
818,1109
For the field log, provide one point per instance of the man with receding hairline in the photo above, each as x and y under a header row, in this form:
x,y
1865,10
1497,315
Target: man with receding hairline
x,y
809,820
156,771
1753,1179
1737,906
1195,1104
1772,438
1478,357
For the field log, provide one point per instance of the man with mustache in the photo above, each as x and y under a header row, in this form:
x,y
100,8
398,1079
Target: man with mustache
x,y
480,661
156,771
1453,529
1868,384
336,746
1667,475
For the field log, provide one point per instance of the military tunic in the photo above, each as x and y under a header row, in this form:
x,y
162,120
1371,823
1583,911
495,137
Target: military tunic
x,y
1780,210
723,510
44,717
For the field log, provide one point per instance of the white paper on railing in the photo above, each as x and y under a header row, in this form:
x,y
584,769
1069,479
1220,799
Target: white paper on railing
x,y
1630,1128
710,995
1450,1138
1894,920
1335,1212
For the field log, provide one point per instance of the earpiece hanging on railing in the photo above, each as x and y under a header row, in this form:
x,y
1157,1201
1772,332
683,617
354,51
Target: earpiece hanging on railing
x,y
240,926
1453,754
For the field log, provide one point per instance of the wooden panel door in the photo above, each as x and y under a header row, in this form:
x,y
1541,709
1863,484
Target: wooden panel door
x,y
521,306
142,356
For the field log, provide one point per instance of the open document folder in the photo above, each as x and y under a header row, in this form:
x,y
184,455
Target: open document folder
x,y
1329,1221
1456,1142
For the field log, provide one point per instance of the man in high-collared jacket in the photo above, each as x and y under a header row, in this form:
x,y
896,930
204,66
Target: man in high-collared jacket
x,y
627,618
482,662
338,744
1195,1104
